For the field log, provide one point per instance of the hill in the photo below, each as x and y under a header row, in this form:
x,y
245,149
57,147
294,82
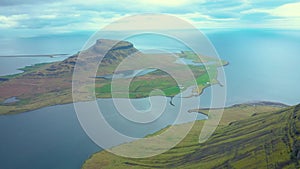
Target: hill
x,y
263,138
51,83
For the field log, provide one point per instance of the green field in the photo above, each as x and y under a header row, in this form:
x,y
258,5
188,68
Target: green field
x,y
142,86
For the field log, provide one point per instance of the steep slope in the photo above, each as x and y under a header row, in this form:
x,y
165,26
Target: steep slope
x,y
264,140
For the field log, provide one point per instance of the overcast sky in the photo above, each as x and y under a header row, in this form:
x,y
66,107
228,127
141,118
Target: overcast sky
x,y
59,16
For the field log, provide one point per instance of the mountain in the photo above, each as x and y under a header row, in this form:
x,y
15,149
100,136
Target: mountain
x,y
110,51
116,53
51,83
264,139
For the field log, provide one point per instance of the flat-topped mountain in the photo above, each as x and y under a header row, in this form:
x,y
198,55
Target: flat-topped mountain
x,y
103,45
47,83
110,51
51,83
113,51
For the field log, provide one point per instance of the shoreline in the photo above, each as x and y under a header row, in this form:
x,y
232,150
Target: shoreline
x,y
65,98
35,55
249,103
276,106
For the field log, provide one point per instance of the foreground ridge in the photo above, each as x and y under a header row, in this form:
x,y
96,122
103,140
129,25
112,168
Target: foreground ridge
x,y
262,140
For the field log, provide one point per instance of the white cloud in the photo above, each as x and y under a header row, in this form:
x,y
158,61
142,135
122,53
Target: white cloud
x,y
140,3
48,16
287,10
253,11
76,15
194,16
284,16
11,21
199,16
174,3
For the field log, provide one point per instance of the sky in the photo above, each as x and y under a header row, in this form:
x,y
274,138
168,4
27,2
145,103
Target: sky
x,y
33,17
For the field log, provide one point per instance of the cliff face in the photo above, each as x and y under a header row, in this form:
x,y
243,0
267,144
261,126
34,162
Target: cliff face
x,y
101,49
118,52
102,45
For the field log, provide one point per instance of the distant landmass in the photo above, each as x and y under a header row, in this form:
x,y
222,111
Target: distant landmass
x,y
24,56
48,84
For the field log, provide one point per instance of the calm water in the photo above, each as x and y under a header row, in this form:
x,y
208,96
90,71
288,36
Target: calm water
x,y
52,138
263,66
59,44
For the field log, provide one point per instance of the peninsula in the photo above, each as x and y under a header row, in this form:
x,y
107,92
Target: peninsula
x,y
49,84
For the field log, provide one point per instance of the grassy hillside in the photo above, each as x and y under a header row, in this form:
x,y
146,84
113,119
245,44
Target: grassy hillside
x,y
248,137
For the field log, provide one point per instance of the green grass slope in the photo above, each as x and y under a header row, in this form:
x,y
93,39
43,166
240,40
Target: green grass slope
x,y
258,139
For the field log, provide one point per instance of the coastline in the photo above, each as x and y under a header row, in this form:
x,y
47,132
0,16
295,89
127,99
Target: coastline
x,y
65,101
60,97
255,103
231,115
68,99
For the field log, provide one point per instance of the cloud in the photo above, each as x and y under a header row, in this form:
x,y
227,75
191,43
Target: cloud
x,y
20,2
268,4
287,10
283,16
76,15
134,3
11,21
48,16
